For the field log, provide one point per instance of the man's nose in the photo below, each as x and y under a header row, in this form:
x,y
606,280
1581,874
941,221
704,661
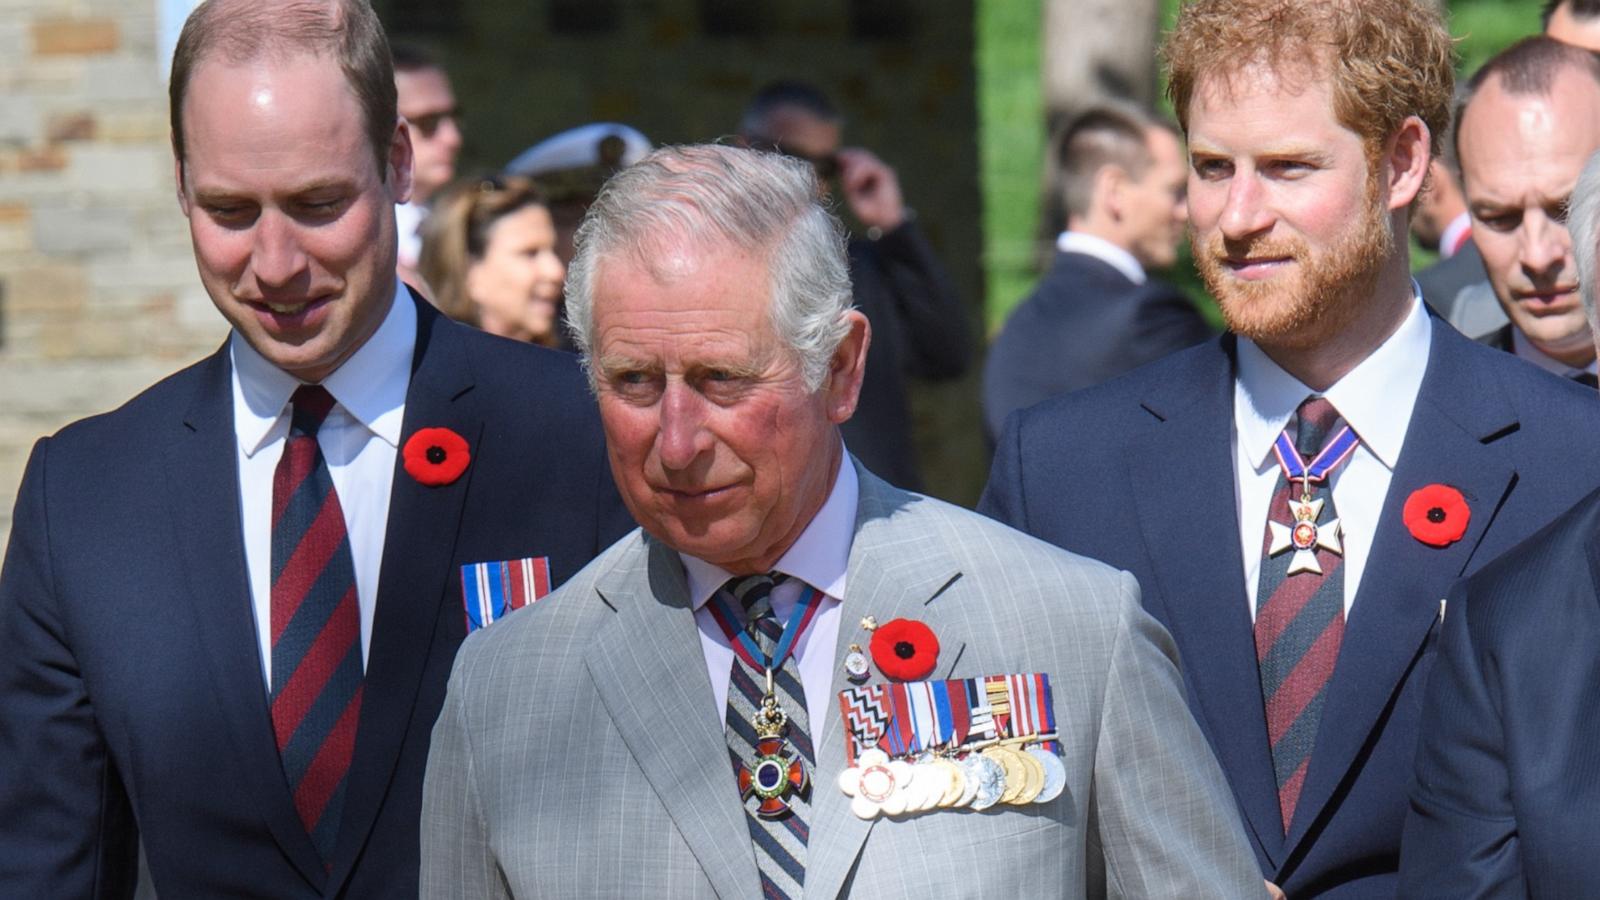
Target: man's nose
x,y
1245,211
683,436
277,256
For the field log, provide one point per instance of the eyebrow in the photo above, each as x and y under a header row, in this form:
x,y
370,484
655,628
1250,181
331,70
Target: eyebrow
x,y
1284,151
220,194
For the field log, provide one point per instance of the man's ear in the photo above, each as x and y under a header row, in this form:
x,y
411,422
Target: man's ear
x,y
842,386
1405,159
400,159
1110,186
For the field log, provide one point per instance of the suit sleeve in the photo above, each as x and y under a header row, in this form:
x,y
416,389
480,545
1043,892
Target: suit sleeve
x,y
1162,813
928,311
457,860
1002,497
1460,837
65,822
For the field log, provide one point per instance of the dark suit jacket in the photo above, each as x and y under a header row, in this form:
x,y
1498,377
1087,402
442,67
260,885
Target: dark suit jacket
x,y
131,697
1443,280
919,330
1085,322
1506,802
1139,472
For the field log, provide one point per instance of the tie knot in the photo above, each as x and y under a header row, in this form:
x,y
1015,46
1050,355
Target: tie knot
x,y
1316,418
754,594
311,404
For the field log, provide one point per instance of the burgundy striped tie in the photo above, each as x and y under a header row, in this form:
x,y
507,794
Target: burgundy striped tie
x,y
316,631
1299,622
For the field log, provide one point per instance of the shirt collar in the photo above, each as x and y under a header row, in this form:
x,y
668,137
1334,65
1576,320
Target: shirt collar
x,y
1375,398
370,385
1524,349
820,556
1103,250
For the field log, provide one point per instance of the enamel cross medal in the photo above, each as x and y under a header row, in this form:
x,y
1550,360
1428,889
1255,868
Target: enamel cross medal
x,y
1307,535
775,774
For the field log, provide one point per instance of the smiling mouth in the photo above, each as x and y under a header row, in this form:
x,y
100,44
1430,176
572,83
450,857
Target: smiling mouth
x,y
1545,298
280,308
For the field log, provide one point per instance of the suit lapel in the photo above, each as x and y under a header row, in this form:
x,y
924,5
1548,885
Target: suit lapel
x,y
1183,489
888,578
1449,441
413,582
203,484
649,669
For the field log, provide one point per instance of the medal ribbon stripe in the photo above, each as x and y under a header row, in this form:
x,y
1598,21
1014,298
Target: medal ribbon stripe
x,y
315,626
490,590
1295,468
1299,623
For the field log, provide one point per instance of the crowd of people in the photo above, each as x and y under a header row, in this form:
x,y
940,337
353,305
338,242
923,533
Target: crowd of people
x,y
554,532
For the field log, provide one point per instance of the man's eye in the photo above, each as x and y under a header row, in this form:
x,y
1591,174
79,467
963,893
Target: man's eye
x,y
231,214
321,208
1212,168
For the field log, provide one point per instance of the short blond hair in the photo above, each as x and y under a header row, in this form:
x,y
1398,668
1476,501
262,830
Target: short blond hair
x,y
1387,59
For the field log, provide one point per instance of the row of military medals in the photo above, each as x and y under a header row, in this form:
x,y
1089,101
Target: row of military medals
x,y
998,753
1306,536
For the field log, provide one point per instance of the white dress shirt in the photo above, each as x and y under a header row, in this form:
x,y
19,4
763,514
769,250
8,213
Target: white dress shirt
x,y
1524,349
359,440
819,558
1103,250
1375,399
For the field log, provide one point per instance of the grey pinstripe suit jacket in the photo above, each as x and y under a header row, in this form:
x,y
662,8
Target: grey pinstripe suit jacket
x,y
580,753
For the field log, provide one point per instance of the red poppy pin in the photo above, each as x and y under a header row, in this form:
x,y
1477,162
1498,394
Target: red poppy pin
x,y
1436,515
436,456
905,649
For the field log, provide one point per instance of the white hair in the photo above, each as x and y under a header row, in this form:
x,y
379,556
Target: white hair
x,y
721,196
1583,221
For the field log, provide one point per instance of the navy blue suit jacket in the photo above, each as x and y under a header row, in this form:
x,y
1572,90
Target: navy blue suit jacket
x,y
131,695
1506,801
919,330
1084,323
1139,472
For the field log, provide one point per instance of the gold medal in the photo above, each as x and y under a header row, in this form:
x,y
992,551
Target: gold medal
x,y
1013,769
1033,779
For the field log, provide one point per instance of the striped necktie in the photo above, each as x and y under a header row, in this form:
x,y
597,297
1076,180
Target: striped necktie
x,y
1299,622
316,632
780,843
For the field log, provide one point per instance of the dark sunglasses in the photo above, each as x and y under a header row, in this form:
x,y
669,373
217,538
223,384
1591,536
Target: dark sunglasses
x,y
827,167
429,124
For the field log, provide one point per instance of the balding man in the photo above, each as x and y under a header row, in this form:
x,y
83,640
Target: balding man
x,y
229,607
1530,119
1505,802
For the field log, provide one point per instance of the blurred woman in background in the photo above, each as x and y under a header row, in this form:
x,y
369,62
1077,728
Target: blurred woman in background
x,y
488,253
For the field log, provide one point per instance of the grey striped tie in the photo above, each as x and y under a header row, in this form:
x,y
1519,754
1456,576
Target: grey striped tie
x,y
780,843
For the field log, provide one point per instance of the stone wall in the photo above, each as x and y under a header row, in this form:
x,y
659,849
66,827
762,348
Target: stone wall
x,y
98,293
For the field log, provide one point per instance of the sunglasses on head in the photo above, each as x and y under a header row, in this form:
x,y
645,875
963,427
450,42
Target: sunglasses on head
x,y
429,124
